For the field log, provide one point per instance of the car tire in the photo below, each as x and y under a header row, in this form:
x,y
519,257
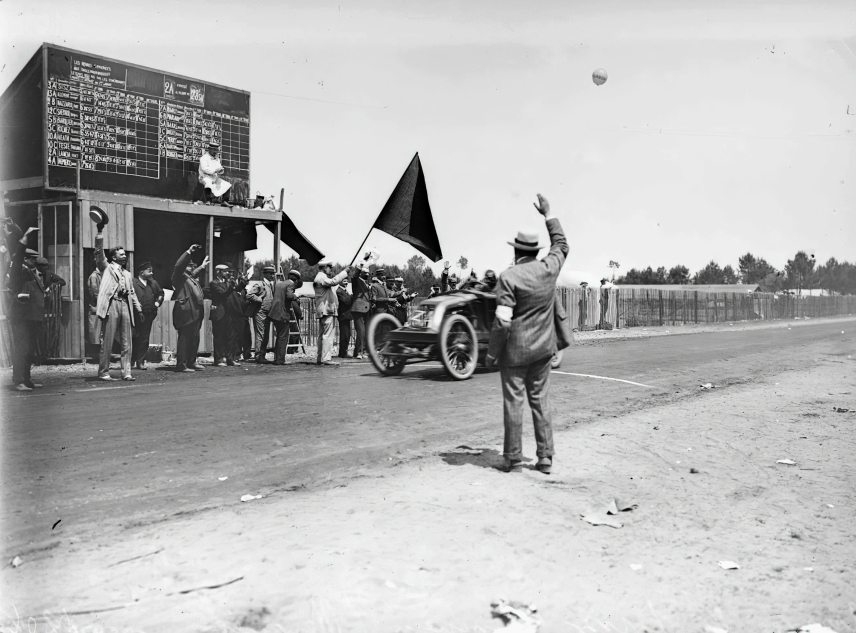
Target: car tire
x,y
379,327
458,347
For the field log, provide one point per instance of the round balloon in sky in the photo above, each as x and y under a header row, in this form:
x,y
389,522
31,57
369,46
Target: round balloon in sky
x,y
599,76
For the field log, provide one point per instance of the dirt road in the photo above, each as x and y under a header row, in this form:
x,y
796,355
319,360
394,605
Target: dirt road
x,y
370,519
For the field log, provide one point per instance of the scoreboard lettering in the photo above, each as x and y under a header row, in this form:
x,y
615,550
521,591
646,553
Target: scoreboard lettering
x,y
134,130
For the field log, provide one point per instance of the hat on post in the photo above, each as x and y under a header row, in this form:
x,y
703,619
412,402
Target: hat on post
x,y
526,241
143,266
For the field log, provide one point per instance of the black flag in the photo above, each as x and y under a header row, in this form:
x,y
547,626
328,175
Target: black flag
x,y
407,214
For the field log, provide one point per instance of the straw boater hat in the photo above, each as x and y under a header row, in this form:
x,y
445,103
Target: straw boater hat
x,y
268,269
97,215
29,252
213,145
294,273
221,267
526,241
324,262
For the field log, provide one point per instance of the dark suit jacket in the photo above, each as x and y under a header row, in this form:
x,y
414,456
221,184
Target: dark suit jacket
x,y
24,280
346,300
529,289
361,293
188,296
283,295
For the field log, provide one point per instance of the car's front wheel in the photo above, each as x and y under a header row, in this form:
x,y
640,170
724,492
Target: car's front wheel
x,y
458,347
381,350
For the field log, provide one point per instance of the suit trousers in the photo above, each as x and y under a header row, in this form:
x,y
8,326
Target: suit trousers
x,y
344,337
141,336
325,338
187,346
117,321
282,331
533,380
226,337
360,329
262,324
25,336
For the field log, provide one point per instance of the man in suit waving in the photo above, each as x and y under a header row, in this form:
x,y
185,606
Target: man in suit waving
x,y
523,338
117,305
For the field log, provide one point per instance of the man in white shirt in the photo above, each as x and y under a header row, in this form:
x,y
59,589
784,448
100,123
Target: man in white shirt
x,y
210,170
327,308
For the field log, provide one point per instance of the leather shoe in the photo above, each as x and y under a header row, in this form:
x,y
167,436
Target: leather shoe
x,y
233,363
106,378
197,367
544,465
511,466
128,378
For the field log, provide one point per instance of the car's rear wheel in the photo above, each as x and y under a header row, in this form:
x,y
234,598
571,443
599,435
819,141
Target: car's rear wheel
x,y
380,348
458,347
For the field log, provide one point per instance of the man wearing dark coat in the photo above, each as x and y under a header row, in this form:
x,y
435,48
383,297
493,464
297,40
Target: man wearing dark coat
x,y
281,312
380,296
187,311
346,299
27,306
226,319
150,295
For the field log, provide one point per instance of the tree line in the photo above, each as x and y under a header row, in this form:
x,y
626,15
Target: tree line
x,y
799,273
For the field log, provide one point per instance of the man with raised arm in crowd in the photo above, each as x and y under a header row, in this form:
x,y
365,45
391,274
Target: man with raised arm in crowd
x,y
27,305
118,308
187,310
225,292
281,308
326,307
346,299
448,281
361,294
523,338
150,295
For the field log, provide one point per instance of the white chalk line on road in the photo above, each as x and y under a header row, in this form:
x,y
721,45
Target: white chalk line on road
x,y
629,382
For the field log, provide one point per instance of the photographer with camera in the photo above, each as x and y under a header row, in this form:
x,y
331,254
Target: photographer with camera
x,y
27,310
187,313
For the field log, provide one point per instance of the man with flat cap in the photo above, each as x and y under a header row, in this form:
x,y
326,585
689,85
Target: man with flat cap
x,y
27,307
226,315
284,298
150,295
523,338
210,169
187,310
262,294
327,307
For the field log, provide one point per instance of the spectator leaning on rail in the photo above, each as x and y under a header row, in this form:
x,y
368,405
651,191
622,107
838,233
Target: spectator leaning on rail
x,y
523,338
326,307
27,309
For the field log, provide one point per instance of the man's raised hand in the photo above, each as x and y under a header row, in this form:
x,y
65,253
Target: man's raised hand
x,y
543,206
194,247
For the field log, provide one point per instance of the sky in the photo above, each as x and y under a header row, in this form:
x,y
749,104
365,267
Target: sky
x,y
725,127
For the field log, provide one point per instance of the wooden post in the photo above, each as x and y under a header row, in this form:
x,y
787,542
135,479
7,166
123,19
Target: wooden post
x,y
660,302
209,247
277,237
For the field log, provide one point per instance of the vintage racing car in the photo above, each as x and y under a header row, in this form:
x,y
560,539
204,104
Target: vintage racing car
x,y
452,328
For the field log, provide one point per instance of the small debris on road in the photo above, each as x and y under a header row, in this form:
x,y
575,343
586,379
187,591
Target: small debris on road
x,y
224,478
518,617
635,566
728,564
250,497
467,450
786,462
714,629
601,518
694,471
843,410
615,506
53,527
811,628
707,386
16,562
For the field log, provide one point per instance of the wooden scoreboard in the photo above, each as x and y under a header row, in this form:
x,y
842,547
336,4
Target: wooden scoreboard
x,y
134,130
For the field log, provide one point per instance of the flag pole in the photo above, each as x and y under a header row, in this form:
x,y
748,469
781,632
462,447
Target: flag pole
x,y
365,239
